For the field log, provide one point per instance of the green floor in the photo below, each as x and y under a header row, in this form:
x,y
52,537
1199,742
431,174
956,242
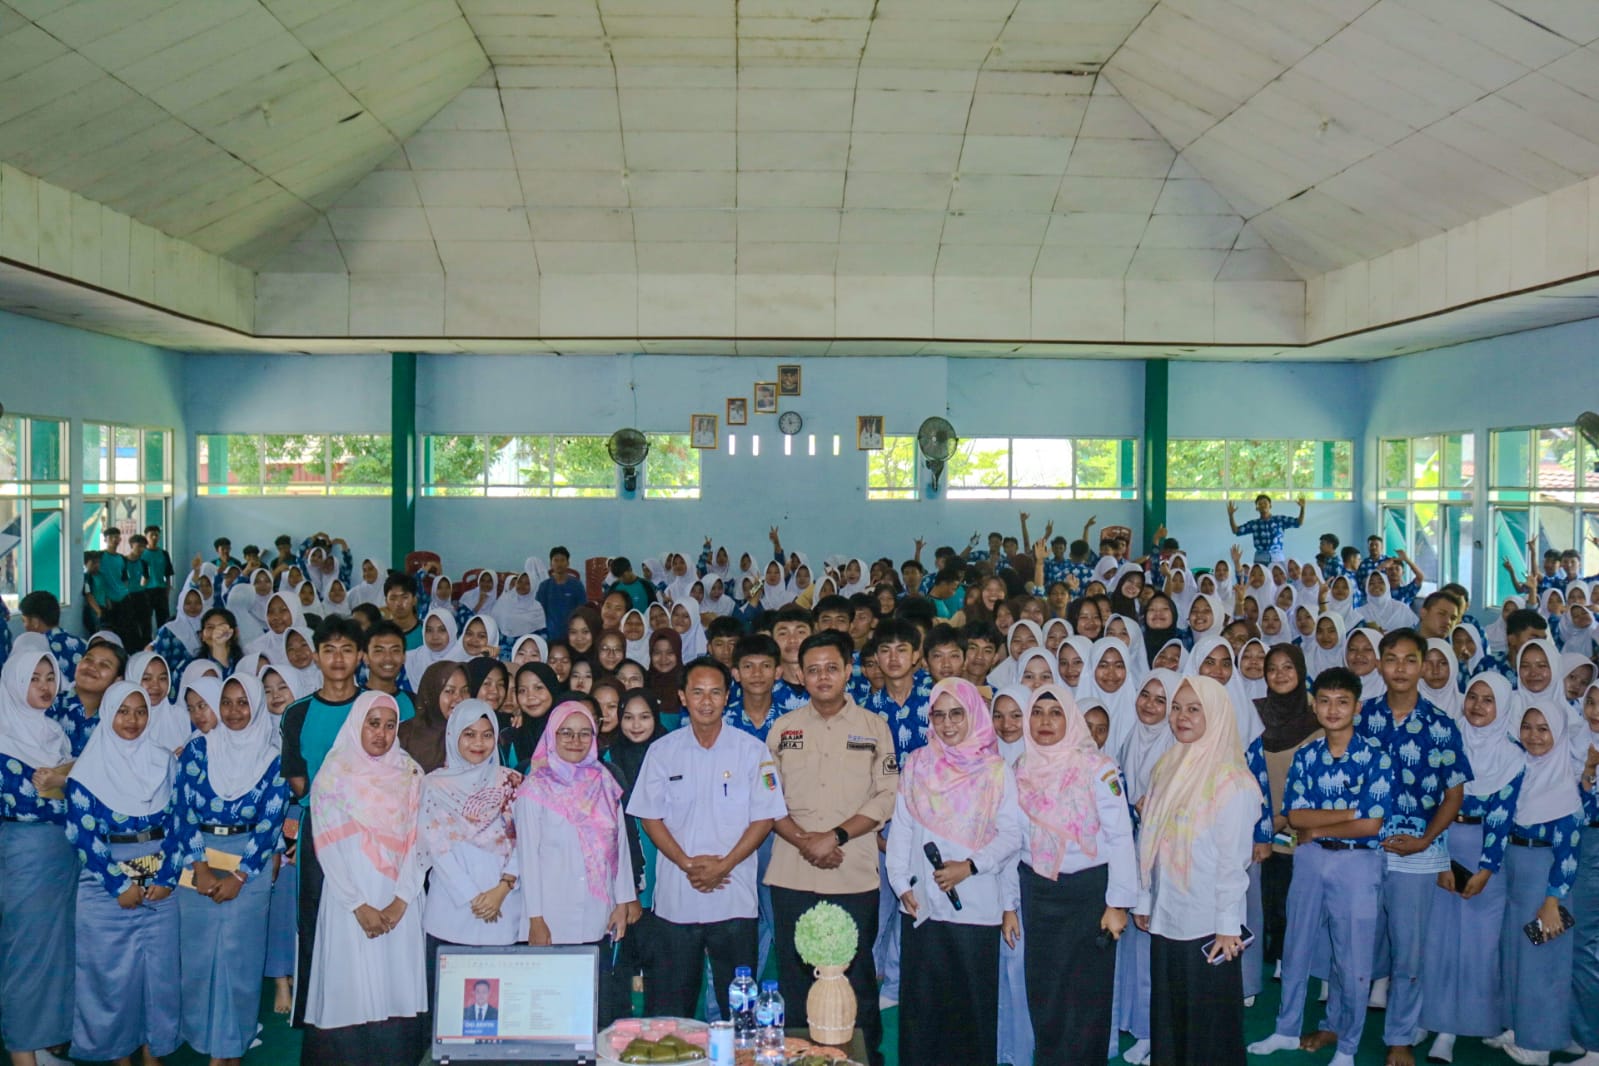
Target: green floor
x,y
280,1045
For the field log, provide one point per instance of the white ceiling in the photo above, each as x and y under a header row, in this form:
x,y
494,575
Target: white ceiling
x,y
1211,153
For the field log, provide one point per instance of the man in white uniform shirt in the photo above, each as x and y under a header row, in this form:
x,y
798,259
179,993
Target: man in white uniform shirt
x,y
707,796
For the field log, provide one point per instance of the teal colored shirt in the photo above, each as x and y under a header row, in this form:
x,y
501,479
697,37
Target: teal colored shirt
x,y
112,579
413,637
310,726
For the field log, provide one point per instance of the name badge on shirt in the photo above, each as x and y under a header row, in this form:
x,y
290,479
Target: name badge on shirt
x,y
675,777
855,743
791,740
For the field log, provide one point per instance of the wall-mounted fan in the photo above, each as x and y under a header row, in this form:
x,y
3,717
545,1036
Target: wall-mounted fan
x,y
937,439
628,449
1588,426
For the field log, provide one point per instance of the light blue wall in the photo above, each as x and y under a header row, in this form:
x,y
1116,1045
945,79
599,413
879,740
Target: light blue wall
x,y
1539,377
63,372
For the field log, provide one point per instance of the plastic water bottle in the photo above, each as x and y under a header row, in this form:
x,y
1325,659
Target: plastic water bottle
x,y
741,1001
769,1020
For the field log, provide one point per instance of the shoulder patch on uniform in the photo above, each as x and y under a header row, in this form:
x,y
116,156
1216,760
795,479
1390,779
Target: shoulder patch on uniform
x,y
1113,778
890,765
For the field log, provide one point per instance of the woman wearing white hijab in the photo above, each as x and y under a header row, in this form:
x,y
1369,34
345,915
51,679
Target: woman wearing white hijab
x,y
716,601
686,621
122,822
1198,626
370,588
1461,967
41,869
169,720
1149,739
1361,656
367,991
1440,678
1213,658
1540,868
1022,636
480,595
1083,648
1325,649
1341,599
439,642
638,648
465,828
471,644
860,582
1538,679
231,803
518,610
1495,633
775,591
1382,611
1034,670
283,613
248,603
1108,678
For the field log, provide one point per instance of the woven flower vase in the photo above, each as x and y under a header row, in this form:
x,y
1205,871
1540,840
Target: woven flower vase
x,y
830,1007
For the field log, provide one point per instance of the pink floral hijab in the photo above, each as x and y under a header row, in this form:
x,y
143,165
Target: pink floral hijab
x,y
373,798
584,793
956,791
1055,787
465,802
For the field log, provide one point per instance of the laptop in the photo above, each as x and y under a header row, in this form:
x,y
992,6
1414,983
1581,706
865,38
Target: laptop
x,y
494,1006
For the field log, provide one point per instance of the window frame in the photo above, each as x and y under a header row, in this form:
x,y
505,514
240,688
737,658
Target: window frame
x,y
28,495
260,487
1290,489
1577,506
1409,507
1127,487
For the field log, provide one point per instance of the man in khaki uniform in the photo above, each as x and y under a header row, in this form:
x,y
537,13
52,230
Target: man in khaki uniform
x,y
839,775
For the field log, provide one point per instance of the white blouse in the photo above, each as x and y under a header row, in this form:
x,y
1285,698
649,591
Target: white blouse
x,y
458,876
1116,849
983,897
554,883
1213,903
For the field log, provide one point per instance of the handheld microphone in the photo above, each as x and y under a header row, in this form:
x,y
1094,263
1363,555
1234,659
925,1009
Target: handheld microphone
x,y
930,849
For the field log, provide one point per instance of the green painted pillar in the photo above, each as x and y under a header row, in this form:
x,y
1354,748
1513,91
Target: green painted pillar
x,y
402,425
1157,410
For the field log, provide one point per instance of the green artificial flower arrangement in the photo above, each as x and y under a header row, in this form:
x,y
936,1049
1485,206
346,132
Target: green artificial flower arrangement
x,y
826,935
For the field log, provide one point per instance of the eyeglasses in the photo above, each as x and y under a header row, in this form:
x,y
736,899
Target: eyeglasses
x,y
955,717
580,735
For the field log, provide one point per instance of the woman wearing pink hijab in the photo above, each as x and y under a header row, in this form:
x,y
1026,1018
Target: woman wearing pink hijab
x,y
955,836
571,840
1078,877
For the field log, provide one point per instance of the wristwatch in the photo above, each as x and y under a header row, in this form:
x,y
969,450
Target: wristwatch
x,y
841,835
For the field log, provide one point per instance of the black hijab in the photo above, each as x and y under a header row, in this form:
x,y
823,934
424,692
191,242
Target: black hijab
x,y
1288,718
1156,639
627,756
521,740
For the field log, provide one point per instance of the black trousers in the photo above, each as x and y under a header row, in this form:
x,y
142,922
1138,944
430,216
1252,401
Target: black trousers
x,y
1196,1010
949,994
673,988
310,902
1276,874
385,1043
1071,979
795,977
160,605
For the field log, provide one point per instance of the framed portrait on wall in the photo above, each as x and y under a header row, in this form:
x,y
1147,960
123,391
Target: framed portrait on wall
x,y
869,433
766,397
788,380
702,431
738,411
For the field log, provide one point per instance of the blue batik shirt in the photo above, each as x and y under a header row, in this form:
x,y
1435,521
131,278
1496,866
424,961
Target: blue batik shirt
x,y
68,711
1564,835
1267,533
1498,813
261,810
1360,780
738,718
1429,760
906,721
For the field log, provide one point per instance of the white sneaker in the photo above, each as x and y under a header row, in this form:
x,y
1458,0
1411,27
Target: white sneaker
x,y
1527,1058
1576,1049
1503,1040
1249,1001
1274,1042
885,1002
1277,973
50,1058
1379,994
1138,1054
1326,991
1342,1059
1443,1048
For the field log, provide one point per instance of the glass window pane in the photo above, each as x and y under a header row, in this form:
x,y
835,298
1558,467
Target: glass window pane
x,y
1041,463
295,464
980,462
46,459
1106,464
891,472
453,460
10,447
1512,458
1557,458
672,471
1196,464
11,578
1427,546
362,461
125,463
46,554
1460,461
519,462
1590,542
1460,525
155,512
1555,527
582,467
155,455
1509,543
1327,465
1424,462
97,447
1395,530
1253,465
1395,459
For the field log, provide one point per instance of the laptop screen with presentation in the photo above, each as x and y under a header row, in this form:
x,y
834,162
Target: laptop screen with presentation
x,y
515,1004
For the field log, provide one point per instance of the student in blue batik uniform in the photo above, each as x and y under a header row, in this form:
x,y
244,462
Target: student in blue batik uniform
x,y
41,869
1267,530
1461,990
1540,869
750,710
231,803
902,702
41,613
1339,793
121,819
78,708
1430,774
1585,893
1373,561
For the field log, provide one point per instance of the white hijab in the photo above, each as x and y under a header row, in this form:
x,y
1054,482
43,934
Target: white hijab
x,y
1248,718
538,642
1495,635
1549,791
1382,609
1120,705
1494,755
187,629
237,759
1554,694
1008,670
491,629
694,643
637,650
517,614
1318,658
1218,615
365,591
1449,698
1371,685
1144,744
1021,695
319,579
1343,607
1254,688
1085,651
475,599
863,583
25,733
419,658
132,777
